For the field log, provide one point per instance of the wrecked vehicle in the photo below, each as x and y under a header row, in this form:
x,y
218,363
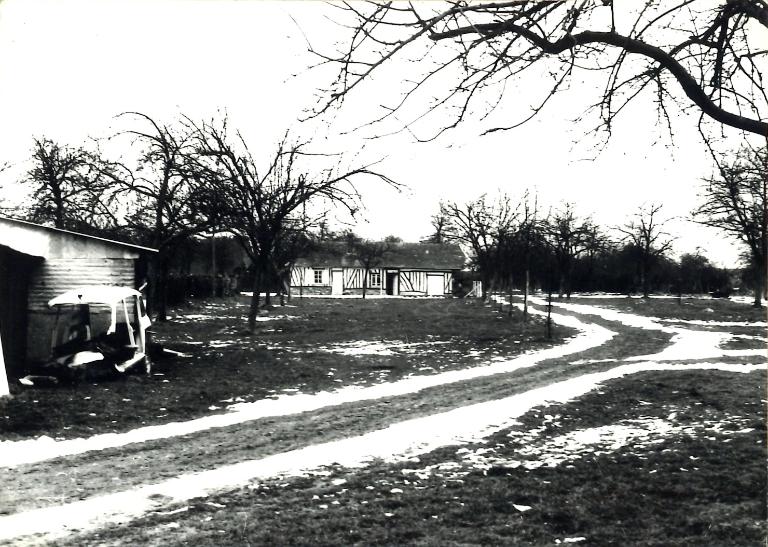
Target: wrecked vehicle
x,y
99,330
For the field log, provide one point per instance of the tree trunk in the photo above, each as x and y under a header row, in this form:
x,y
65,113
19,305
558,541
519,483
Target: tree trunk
x,y
163,308
285,288
151,287
525,294
759,287
156,292
644,280
213,264
253,311
59,220
549,314
365,279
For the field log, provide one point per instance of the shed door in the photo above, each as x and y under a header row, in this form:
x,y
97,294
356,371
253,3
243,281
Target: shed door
x,y
435,285
337,281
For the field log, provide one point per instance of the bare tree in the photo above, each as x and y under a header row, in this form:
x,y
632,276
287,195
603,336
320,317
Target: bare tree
x,y
439,225
735,202
369,254
259,205
527,233
479,225
597,243
291,244
168,200
646,234
642,49
70,187
569,237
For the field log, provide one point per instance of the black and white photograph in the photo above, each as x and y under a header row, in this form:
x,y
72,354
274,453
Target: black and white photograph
x,y
362,272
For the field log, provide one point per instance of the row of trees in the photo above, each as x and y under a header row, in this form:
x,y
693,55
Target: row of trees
x,y
515,243
192,178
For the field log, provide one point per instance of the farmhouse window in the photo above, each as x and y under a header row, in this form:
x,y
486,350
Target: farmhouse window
x,y
375,278
318,277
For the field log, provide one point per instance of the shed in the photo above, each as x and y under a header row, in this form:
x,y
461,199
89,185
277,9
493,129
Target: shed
x,y
38,263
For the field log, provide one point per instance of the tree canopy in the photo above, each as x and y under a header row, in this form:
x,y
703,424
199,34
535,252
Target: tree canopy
x,y
734,201
687,54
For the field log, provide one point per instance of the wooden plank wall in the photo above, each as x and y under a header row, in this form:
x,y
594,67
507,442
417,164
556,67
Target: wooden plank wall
x,y
57,275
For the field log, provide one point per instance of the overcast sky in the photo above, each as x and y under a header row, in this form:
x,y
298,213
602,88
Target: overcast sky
x,y
67,68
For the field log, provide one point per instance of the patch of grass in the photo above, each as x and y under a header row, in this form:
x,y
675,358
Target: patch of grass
x,y
685,490
288,353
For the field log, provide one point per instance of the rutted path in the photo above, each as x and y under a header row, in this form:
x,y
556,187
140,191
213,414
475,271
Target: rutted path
x,y
399,419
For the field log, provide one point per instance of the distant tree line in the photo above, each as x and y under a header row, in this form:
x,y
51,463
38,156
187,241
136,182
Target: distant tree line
x,y
517,245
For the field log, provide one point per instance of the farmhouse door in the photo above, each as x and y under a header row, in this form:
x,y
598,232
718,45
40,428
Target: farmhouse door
x,y
435,285
337,281
391,287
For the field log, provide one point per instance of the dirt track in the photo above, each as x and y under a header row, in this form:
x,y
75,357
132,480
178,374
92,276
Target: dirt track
x,y
69,479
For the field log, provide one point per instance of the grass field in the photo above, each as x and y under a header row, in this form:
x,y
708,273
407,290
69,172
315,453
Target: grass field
x,y
672,457
309,346
704,309
679,460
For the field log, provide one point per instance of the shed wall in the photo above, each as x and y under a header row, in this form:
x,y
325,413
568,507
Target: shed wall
x,y
57,275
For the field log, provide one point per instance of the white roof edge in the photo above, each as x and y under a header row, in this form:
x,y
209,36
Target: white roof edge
x,y
79,234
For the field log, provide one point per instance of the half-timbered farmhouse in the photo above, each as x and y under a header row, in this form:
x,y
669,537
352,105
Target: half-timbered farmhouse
x,y
408,269
38,263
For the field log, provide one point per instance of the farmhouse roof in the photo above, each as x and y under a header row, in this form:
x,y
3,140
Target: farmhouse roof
x,y
417,256
31,238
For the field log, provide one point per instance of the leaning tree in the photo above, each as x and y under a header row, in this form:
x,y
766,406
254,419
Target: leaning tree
x,y
734,201
695,55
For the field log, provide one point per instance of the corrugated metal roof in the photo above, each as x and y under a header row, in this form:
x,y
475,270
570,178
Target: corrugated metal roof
x,y
417,256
